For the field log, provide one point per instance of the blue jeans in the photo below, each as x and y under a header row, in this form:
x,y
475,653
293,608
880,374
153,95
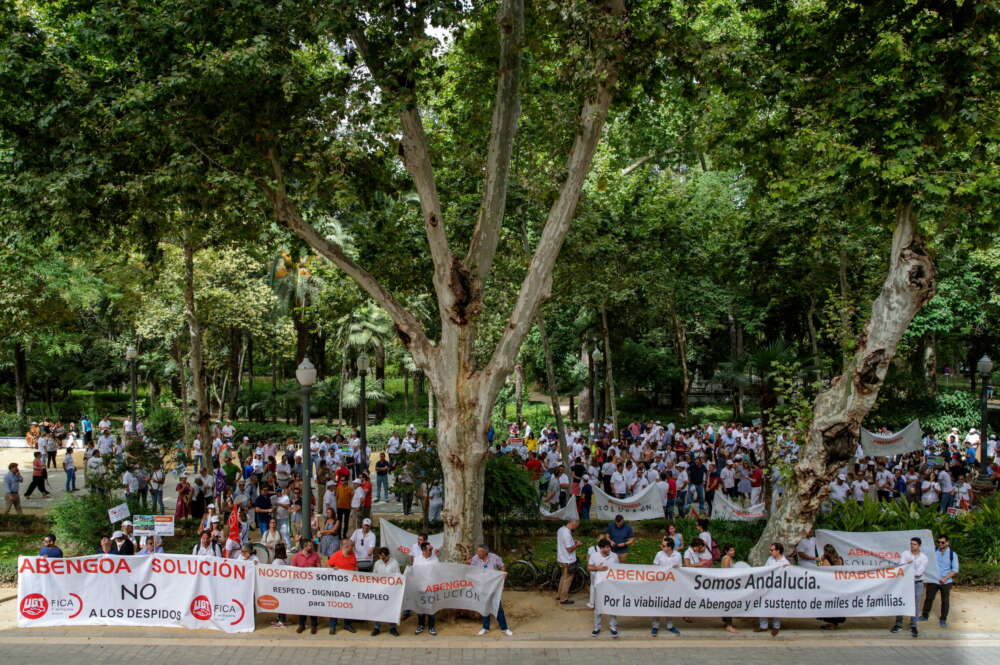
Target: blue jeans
x,y
157,496
946,500
501,619
668,509
918,591
382,487
699,491
584,515
70,480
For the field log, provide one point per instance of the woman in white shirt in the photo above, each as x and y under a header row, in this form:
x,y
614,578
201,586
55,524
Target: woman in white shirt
x,y
666,558
929,489
777,558
963,493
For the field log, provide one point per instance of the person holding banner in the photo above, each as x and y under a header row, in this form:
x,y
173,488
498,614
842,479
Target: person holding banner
x,y
666,558
919,562
305,558
777,558
344,559
486,559
385,565
425,558
597,561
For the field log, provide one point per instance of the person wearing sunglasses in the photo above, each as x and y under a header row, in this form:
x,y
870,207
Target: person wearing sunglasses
x,y
947,564
777,558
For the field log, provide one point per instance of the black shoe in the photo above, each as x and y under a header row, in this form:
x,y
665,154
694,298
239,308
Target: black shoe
x,y
895,629
300,629
394,632
333,630
349,628
567,602
375,631
913,631
313,630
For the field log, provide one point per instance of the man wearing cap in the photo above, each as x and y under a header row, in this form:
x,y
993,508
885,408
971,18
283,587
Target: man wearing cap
x,y
357,502
839,489
121,545
364,545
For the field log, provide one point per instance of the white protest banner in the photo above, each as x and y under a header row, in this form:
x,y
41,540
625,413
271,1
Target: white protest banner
x,y
454,586
642,506
776,591
875,549
400,541
153,525
118,513
723,508
326,592
566,513
908,439
155,590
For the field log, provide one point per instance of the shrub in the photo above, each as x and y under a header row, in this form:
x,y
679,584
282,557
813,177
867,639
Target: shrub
x,y
80,522
165,424
8,571
978,573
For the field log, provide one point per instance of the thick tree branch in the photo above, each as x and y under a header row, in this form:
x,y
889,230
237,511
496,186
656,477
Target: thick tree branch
x,y
408,328
537,283
506,111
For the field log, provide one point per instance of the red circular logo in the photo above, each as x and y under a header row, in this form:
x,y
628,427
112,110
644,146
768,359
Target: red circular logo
x,y
34,606
201,608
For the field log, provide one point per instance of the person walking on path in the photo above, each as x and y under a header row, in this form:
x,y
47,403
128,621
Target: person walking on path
x,y
37,476
12,489
947,563
919,561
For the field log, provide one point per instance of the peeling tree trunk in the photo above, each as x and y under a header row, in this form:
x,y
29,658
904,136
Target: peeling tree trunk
x,y
838,411
430,405
201,415
587,411
610,377
680,345
20,379
550,380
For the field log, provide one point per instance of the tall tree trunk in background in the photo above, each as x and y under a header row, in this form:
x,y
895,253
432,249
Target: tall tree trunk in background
x,y
249,370
610,377
274,387
236,350
519,396
839,410
587,410
319,355
550,380
20,379
202,414
380,406
572,409
813,336
406,391
930,364
735,356
845,298
301,335
182,380
343,382
680,345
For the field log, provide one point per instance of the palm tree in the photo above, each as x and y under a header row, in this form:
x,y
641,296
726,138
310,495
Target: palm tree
x,y
297,287
362,329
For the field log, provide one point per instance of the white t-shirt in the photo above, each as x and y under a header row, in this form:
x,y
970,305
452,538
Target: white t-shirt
x,y
364,543
665,560
807,546
564,541
707,538
838,491
595,558
618,485
697,558
358,498
859,487
919,564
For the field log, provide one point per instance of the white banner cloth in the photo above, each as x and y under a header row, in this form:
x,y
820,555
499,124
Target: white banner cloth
x,y
723,508
906,440
785,591
156,590
455,586
564,514
400,541
642,506
874,549
326,592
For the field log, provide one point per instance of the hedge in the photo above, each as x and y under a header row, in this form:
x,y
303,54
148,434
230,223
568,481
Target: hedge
x,y
378,435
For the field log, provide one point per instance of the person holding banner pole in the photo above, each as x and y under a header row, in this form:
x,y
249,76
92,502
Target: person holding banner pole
x,y
425,558
919,561
597,561
777,558
488,560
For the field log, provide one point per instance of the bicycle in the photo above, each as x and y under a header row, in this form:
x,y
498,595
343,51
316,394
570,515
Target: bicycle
x,y
527,573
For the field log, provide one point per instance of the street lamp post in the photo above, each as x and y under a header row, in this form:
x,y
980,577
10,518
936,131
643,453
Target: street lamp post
x,y
305,373
130,355
985,368
363,366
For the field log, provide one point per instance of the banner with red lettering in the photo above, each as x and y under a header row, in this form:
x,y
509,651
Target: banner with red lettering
x,y
776,591
172,590
452,586
874,549
326,592
401,542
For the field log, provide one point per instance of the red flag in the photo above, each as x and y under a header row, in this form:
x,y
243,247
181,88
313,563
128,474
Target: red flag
x,y
234,524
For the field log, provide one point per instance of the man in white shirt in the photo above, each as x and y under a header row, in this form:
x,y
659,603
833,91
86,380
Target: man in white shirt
x,y
839,489
386,566
597,561
197,454
777,558
859,486
947,490
205,546
918,560
357,502
106,443
364,545
805,551
566,558
619,484
666,558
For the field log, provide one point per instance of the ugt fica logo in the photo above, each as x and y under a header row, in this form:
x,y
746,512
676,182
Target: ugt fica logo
x,y
34,606
203,609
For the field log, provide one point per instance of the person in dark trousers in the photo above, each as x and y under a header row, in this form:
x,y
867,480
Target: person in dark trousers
x,y
306,558
947,563
37,476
